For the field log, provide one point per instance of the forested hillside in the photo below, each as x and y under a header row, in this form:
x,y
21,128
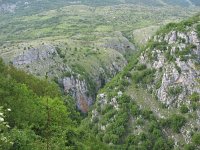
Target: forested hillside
x,y
34,115
99,74
81,46
154,102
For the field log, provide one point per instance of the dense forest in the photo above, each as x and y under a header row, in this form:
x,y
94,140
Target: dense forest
x,y
35,115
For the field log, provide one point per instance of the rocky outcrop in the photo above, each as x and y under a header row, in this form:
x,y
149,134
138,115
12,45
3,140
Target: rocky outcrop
x,y
7,8
178,61
118,43
175,57
45,60
79,90
35,54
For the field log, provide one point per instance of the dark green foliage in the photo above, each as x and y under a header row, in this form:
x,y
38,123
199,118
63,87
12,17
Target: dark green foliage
x,y
189,147
157,45
175,122
178,68
141,67
144,77
198,30
60,52
67,74
153,139
135,110
184,109
39,113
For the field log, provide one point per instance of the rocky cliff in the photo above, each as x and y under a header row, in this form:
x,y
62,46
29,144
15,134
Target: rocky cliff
x,y
48,60
154,101
176,65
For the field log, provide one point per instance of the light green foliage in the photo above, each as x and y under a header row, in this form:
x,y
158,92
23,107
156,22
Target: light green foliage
x,y
196,139
195,97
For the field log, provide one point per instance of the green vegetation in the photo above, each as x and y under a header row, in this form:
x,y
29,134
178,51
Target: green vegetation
x,y
175,91
196,139
35,115
182,26
195,97
184,109
198,30
175,122
144,76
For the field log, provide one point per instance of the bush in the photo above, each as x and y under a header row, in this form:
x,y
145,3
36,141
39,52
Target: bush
x,y
176,122
141,67
145,76
184,109
196,139
189,147
135,110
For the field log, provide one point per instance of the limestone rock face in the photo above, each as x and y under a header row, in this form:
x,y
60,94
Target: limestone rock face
x,y
118,43
79,90
176,62
178,74
44,60
34,55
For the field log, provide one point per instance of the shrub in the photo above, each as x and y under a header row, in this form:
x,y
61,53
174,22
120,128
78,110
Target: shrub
x,y
135,110
189,147
176,122
145,76
196,139
184,109
141,67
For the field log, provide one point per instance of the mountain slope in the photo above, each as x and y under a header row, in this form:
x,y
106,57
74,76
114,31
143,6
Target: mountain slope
x,y
80,47
154,102
31,7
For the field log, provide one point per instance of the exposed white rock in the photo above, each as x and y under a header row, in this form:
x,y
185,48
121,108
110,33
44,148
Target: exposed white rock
x,y
171,37
35,54
119,93
160,60
78,89
114,103
183,36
